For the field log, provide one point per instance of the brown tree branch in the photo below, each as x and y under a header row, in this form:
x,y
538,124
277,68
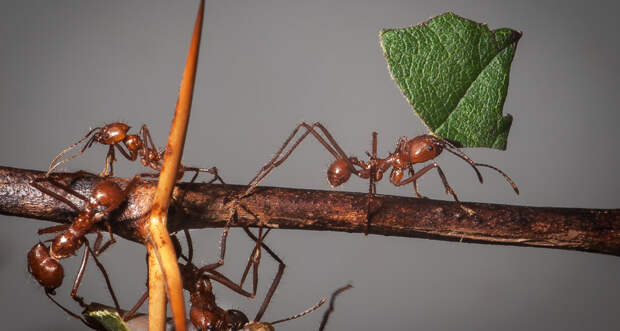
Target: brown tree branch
x,y
202,206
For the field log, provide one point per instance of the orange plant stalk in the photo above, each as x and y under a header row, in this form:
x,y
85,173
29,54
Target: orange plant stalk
x,y
163,268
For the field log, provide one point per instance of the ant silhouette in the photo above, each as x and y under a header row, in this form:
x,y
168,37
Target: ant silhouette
x,y
409,151
44,263
140,145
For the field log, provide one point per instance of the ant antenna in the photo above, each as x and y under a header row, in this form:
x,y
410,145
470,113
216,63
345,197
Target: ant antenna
x,y
54,164
330,309
303,313
508,179
450,147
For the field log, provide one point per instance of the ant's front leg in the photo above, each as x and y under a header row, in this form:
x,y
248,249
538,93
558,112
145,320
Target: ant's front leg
x,y
110,158
426,169
415,183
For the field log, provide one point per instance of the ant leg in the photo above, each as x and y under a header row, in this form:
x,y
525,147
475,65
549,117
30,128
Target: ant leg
x,y
331,305
372,187
254,260
415,183
212,170
214,275
55,195
78,279
104,273
72,314
424,170
80,275
276,280
109,161
98,248
130,157
279,157
146,137
131,312
54,229
223,238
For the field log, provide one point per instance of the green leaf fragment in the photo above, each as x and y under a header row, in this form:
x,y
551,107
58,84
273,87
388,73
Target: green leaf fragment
x,y
454,72
111,321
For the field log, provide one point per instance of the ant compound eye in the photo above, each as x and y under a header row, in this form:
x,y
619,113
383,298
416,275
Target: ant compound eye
x,y
430,148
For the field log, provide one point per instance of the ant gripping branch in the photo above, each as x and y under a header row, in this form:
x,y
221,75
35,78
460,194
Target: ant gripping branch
x,y
140,145
409,151
44,264
204,313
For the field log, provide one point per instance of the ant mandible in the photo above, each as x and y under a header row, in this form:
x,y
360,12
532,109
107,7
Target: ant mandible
x,y
44,264
409,151
140,145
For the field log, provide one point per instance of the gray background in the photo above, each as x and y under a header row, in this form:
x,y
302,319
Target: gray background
x,y
267,65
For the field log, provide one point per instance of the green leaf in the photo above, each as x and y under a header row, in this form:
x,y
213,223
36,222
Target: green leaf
x,y
110,320
454,72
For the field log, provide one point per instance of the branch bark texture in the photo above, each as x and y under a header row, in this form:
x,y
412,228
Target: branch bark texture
x,y
204,205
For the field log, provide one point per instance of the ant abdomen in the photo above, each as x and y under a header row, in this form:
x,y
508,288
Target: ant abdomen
x,y
338,172
45,269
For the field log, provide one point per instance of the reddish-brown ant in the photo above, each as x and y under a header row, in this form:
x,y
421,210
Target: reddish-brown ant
x,y
44,264
140,145
204,312
408,152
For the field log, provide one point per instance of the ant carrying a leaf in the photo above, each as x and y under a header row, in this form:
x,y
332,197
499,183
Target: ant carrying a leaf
x,y
409,151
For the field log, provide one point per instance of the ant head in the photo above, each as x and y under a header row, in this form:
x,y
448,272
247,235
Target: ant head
x,y
46,270
427,147
338,172
112,133
107,194
238,319
423,148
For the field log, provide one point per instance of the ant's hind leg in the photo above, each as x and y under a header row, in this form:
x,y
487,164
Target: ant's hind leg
x,y
277,278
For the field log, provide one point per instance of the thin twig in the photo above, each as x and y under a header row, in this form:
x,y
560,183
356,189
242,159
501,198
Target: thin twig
x,y
197,206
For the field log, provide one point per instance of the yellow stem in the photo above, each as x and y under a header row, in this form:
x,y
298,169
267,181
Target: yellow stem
x,y
157,293
162,249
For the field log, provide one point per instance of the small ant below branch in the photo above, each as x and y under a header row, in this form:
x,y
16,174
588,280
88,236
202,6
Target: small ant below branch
x,y
205,314
140,145
409,151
